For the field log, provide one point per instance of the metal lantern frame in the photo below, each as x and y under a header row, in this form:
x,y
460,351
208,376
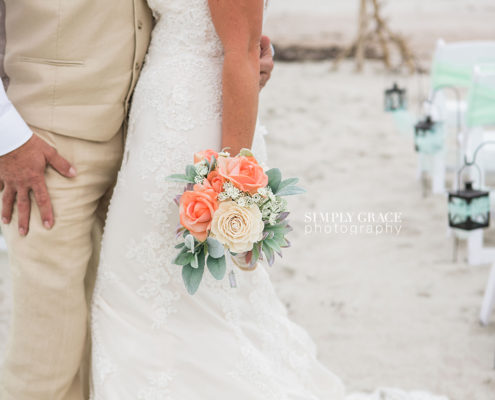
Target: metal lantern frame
x,y
395,98
428,136
469,209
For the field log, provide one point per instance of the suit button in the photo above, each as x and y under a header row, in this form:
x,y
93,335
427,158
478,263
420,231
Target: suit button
x,y
140,24
137,66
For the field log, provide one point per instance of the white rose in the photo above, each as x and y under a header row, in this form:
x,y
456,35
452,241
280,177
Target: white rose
x,y
237,227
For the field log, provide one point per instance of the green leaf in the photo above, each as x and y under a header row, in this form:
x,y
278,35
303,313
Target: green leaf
x,y
217,266
280,240
274,178
201,257
180,245
194,261
273,244
287,182
215,248
191,172
180,178
268,253
290,191
277,228
184,257
192,277
211,165
189,242
255,254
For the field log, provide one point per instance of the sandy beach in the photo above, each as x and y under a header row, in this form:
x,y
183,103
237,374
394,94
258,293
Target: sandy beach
x,y
386,308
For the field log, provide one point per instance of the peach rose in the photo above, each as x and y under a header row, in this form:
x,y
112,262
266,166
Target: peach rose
x,y
196,209
206,154
216,181
244,172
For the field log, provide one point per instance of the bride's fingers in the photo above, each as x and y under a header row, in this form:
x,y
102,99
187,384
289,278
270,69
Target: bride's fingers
x,y
264,77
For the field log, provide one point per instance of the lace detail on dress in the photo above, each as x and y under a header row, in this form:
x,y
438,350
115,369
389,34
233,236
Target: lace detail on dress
x,y
158,387
102,363
153,256
184,55
285,354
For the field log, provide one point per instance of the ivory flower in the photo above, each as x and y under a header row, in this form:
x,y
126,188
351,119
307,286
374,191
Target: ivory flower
x,y
237,227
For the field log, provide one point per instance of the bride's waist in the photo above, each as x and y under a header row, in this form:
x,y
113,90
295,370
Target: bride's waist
x,y
167,44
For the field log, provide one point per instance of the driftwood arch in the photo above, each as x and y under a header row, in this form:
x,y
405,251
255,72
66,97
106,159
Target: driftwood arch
x,y
373,30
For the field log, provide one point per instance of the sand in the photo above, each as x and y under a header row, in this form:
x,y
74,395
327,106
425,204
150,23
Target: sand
x,y
386,309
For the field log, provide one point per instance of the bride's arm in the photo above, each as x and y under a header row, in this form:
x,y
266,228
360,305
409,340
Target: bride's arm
x,y
238,24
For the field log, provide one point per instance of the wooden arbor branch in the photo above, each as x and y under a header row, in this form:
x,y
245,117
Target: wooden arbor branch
x,y
380,34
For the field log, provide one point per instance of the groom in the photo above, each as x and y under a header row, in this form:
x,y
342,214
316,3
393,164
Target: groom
x,y
72,66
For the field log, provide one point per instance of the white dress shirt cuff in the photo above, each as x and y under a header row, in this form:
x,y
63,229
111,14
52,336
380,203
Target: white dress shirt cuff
x,y
14,132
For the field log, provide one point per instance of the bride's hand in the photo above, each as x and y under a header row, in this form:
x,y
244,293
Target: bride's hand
x,y
266,61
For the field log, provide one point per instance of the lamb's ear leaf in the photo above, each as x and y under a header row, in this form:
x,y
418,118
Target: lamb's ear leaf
x,y
191,172
212,164
290,191
192,277
217,266
268,253
180,178
255,255
189,242
201,257
288,182
274,178
215,248
184,257
194,261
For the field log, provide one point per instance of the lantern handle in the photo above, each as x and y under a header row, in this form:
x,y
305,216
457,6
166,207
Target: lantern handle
x,y
472,163
459,173
457,94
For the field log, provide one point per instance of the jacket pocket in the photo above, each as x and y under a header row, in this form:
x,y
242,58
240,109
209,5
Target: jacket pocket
x,y
53,62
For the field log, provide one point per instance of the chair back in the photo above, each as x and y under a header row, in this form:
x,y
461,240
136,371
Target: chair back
x,y
481,100
453,63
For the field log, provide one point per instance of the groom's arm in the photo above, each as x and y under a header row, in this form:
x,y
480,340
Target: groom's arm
x,y
266,61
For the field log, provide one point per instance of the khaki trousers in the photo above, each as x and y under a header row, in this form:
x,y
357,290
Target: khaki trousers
x,y
53,276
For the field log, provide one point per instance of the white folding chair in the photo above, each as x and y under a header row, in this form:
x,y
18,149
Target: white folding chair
x,y
489,298
452,70
480,116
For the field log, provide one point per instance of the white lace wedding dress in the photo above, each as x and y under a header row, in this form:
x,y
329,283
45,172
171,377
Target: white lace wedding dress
x,y
151,339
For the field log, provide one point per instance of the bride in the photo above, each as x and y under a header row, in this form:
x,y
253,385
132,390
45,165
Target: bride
x,y
151,339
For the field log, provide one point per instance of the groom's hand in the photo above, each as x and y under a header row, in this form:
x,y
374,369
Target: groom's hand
x,y
23,171
266,61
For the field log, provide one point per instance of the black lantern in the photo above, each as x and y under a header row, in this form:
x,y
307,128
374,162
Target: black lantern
x,y
395,99
428,136
469,209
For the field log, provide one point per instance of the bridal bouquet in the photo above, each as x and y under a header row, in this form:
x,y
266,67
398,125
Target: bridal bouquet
x,y
231,207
